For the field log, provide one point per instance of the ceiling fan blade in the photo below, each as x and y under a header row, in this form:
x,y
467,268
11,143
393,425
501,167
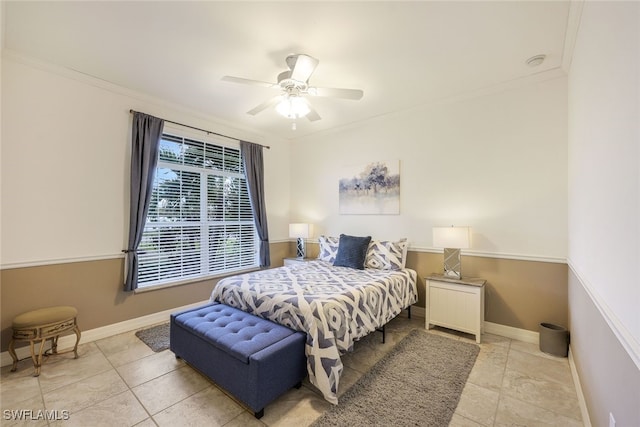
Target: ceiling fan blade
x,y
354,94
240,80
271,102
312,115
303,67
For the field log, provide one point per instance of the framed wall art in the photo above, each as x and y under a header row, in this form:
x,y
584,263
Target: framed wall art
x,y
373,188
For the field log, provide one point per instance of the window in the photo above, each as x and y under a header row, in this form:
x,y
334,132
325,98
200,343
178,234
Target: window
x,y
200,221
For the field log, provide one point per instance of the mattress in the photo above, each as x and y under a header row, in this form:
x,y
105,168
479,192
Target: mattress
x,y
335,306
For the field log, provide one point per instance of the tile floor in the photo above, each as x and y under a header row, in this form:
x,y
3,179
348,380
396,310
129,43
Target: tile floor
x,y
119,381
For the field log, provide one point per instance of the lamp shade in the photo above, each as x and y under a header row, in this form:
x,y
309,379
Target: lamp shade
x,y
299,230
451,237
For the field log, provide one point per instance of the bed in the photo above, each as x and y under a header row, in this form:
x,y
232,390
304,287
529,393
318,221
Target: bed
x,y
333,304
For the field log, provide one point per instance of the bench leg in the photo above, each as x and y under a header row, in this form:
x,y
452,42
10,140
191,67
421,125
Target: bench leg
x,y
54,344
78,334
37,359
14,356
259,414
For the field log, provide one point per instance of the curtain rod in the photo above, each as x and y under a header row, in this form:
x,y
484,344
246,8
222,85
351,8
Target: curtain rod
x,y
208,132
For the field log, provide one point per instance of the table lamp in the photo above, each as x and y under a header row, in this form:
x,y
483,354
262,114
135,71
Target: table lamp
x,y
300,231
452,239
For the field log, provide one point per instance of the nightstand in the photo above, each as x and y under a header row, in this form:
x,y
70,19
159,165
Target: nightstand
x,y
294,261
455,304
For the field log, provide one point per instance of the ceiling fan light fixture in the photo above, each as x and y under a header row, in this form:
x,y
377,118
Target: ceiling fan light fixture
x,y
292,107
292,102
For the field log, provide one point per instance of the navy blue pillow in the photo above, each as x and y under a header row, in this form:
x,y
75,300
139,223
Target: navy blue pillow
x,y
352,251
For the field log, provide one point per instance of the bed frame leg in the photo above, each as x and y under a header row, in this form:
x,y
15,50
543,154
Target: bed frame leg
x,y
409,312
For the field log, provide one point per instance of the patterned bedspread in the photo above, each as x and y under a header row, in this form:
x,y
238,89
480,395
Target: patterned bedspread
x,y
335,306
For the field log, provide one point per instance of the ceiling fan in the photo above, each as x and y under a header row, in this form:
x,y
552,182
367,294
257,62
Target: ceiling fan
x,y
294,86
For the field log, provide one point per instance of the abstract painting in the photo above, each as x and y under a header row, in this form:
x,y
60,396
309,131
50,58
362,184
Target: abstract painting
x,y
373,188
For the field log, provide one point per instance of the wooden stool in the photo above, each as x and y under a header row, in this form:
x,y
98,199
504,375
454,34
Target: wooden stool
x,y
41,325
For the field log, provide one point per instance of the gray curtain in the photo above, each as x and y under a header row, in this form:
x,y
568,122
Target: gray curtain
x,y
254,171
145,143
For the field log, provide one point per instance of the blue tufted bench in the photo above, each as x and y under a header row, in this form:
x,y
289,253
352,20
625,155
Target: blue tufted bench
x,y
252,358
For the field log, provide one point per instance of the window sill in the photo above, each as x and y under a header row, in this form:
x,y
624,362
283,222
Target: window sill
x,y
192,280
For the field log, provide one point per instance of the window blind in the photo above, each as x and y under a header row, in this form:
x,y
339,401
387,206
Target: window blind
x,y
200,220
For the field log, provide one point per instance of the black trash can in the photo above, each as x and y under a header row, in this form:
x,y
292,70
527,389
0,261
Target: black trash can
x,y
554,340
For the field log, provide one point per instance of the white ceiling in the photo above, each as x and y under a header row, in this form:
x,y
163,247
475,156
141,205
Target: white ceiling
x,y
401,54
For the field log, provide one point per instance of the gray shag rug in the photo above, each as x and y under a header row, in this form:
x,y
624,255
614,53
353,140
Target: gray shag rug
x,y
156,337
418,383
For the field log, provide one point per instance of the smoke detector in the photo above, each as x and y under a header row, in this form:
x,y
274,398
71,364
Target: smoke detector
x,y
534,61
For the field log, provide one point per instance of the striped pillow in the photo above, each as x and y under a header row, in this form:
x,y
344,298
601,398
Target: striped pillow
x,y
328,248
387,255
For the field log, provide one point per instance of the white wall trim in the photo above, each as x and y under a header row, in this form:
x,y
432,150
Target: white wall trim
x,y
91,335
532,79
59,261
581,400
629,343
571,34
243,133
511,332
140,322
519,257
501,255
44,262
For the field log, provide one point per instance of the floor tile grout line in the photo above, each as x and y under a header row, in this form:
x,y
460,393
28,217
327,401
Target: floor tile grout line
x,y
128,388
531,403
504,374
501,393
150,416
181,400
42,393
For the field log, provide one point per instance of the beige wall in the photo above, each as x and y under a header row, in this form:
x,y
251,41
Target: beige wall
x,y
520,294
95,289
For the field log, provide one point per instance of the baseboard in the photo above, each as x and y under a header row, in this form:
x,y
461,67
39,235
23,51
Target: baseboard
x,y
494,328
581,400
511,332
163,316
69,341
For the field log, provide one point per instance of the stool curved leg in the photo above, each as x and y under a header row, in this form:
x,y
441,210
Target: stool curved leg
x,y
34,358
14,356
54,344
78,334
39,359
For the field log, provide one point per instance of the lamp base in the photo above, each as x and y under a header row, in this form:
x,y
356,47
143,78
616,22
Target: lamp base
x,y
301,251
452,266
